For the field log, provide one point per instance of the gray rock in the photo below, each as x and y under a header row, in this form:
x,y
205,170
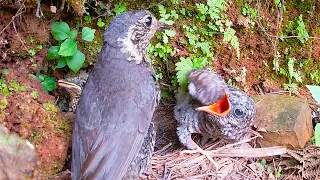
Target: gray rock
x,y
285,120
18,159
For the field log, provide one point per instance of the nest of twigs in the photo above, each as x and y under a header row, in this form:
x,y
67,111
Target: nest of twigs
x,y
233,160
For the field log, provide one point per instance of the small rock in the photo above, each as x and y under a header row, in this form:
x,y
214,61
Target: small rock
x,y
286,120
18,157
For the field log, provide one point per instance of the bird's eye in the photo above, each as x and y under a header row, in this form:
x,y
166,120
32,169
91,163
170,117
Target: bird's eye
x,y
148,21
239,113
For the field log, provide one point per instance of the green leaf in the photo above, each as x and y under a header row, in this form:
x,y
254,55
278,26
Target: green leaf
x,y
61,63
165,38
183,68
100,23
174,14
74,34
170,33
202,8
315,92
53,53
183,11
4,71
32,52
301,30
317,134
162,10
120,8
75,62
49,84
68,48
170,23
278,174
60,30
88,34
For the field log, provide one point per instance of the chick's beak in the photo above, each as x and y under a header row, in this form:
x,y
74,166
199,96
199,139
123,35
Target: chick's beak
x,y
163,26
220,108
68,85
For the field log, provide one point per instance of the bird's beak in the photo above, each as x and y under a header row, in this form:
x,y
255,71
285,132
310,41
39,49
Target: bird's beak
x,y
220,108
68,85
163,26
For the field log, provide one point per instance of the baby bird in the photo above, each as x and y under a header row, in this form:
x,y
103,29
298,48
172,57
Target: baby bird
x,y
212,108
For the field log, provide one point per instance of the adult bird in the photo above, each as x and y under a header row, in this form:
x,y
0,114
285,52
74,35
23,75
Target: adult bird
x,y
74,86
118,100
212,108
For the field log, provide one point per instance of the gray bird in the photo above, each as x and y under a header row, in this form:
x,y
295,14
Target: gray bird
x,y
212,108
74,86
117,102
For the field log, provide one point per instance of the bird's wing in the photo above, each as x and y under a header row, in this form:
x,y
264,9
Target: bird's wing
x,y
206,86
112,119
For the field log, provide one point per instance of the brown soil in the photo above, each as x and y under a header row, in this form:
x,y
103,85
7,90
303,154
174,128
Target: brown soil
x,y
34,118
39,121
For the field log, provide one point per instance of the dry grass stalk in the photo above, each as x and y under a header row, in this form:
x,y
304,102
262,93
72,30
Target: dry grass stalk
x,y
195,166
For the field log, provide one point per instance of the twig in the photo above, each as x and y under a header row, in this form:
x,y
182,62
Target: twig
x,y
15,29
164,148
18,13
39,13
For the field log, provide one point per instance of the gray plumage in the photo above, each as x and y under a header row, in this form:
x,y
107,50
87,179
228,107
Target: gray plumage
x,y
118,101
206,86
138,166
232,126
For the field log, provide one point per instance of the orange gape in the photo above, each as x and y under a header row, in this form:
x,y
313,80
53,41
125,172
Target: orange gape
x,y
220,108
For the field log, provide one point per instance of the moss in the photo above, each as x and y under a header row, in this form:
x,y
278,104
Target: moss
x,y
34,94
48,106
3,103
239,3
305,6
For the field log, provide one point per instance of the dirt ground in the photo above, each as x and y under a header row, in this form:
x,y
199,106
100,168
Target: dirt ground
x,y
40,121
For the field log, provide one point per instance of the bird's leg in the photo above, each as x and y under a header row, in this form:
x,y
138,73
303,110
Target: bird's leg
x,y
198,149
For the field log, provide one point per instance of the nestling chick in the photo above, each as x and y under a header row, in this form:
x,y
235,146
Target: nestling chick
x,y
212,108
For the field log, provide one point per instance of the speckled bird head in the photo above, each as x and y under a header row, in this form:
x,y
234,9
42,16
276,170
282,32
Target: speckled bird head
x,y
132,32
227,107
236,123
73,85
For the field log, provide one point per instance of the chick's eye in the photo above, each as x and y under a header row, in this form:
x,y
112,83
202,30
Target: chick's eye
x,y
239,112
148,21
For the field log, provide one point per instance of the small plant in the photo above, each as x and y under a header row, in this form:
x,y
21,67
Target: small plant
x,y
120,8
279,4
34,94
297,27
278,172
275,62
87,19
164,16
67,51
301,30
248,11
162,49
230,36
48,83
14,86
214,9
100,23
185,66
291,74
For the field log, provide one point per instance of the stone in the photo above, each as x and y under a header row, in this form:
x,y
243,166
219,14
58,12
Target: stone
x,y
285,120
